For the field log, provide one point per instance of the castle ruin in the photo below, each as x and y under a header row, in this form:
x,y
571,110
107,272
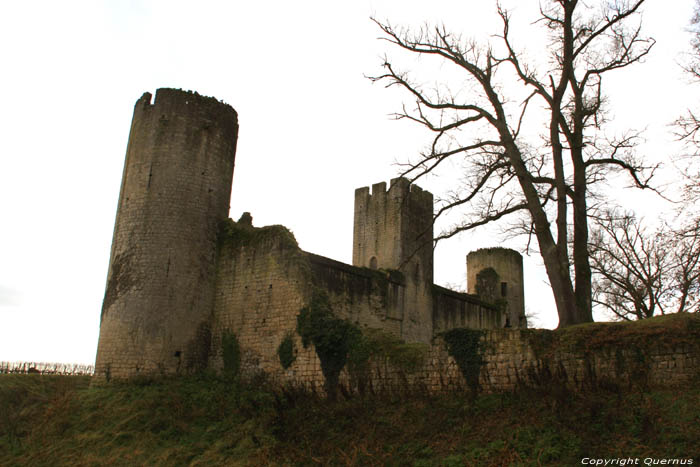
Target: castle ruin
x,y
181,273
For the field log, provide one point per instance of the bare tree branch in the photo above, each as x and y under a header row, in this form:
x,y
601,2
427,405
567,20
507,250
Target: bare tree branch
x,y
483,130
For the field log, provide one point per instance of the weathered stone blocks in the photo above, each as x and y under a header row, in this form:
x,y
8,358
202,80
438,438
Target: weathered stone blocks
x,y
175,192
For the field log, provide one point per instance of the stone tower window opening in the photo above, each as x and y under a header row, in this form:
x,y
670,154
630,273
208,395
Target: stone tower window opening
x,y
504,289
373,262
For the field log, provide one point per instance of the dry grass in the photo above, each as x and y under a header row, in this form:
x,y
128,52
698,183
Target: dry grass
x,y
60,420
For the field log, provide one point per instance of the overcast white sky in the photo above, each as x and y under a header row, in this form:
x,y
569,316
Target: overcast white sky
x,y
312,129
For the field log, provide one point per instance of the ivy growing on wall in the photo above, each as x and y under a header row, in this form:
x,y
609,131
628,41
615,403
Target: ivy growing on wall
x,y
379,344
376,345
465,346
339,343
331,337
286,351
231,352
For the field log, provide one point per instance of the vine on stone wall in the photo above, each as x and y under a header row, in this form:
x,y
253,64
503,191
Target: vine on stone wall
x,y
376,345
331,337
231,352
286,351
466,347
339,342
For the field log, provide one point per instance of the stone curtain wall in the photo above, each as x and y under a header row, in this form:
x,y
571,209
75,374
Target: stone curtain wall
x,y
362,296
663,352
263,280
459,310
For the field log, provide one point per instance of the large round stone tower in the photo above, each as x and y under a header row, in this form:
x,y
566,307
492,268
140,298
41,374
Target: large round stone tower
x,y
504,268
176,189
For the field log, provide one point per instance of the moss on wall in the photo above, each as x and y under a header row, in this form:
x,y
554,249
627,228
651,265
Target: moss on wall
x,y
244,234
378,346
675,330
630,346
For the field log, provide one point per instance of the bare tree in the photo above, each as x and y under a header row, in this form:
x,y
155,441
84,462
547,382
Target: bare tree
x,y
688,126
639,273
631,267
692,64
505,173
686,270
687,236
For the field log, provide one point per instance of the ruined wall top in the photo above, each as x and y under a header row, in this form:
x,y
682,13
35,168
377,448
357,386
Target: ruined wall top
x,y
181,103
497,252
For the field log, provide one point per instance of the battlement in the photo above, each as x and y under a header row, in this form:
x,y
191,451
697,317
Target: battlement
x,y
393,227
176,102
399,188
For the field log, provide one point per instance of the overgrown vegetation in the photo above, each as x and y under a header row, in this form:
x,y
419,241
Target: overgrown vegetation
x,y
231,352
286,352
338,342
487,283
630,345
206,420
331,337
674,330
243,234
377,347
467,348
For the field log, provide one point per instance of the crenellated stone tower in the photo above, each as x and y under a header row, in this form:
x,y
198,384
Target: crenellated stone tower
x,y
509,284
393,229
176,189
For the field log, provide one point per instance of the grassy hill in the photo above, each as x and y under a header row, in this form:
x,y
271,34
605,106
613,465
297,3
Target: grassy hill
x,y
205,420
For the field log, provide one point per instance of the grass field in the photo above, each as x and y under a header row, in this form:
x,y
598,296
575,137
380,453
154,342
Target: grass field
x,y
206,420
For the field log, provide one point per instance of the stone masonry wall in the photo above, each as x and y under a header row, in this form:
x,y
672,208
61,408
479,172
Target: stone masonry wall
x,y
509,266
263,280
665,353
176,189
459,310
393,229
365,297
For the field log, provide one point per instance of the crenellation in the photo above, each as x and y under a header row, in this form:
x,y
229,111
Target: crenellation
x,y
399,187
379,188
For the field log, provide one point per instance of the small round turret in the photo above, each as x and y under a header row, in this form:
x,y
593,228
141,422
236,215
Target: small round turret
x,y
498,273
